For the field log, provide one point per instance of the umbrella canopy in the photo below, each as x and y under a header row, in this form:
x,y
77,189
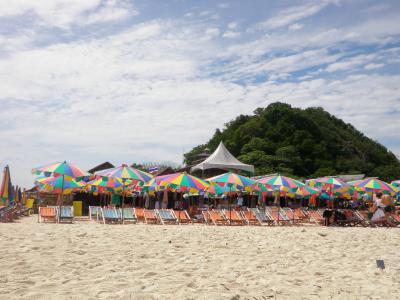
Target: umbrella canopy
x,y
124,172
215,190
232,180
6,190
183,182
105,184
395,183
332,182
307,191
60,168
59,183
279,181
375,185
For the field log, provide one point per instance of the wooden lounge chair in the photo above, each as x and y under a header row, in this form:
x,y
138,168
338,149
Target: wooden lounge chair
x,y
110,215
167,216
139,214
183,217
66,214
94,212
128,215
394,217
206,216
292,216
217,218
362,215
7,214
250,217
150,216
262,217
278,216
316,217
47,214
234,217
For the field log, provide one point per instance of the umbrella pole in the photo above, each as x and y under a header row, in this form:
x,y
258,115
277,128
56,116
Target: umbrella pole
x,y
230,208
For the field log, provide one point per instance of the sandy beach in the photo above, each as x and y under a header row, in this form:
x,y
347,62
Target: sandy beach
x,y
93,261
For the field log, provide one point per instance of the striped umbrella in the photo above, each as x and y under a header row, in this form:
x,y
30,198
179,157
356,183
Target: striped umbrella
x,y
279,181
60,168
307,191
182,182
395,183
216,190
105,184
375,185
124,172
59,183
232,180
6,190
331,182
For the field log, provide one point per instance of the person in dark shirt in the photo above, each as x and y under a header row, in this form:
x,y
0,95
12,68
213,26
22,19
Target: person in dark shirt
x,y
327,214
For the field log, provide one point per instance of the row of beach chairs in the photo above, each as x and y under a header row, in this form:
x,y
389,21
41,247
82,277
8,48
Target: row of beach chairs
x,y
11,213
134,215
56,214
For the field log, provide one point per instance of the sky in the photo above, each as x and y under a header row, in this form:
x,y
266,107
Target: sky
x,y
145,81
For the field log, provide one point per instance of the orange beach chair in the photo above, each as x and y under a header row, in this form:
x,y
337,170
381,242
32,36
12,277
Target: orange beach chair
x,y
47,214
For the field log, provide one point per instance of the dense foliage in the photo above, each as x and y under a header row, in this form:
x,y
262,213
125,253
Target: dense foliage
x,y
301,143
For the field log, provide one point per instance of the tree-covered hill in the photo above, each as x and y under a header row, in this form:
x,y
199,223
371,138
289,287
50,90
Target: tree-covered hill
x,y
301,143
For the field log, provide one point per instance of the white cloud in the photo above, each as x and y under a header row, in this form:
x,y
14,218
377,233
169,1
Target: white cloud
x,y
373,66
231,34
224,5
232,25
293,14
296,26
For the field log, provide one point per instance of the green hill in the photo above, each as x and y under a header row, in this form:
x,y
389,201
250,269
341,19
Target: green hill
x,y
301,143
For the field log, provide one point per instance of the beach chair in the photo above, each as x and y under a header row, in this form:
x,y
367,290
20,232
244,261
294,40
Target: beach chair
x,y
363,216
292,216
139,214
183,217
206,216
47,214
110,216
7,214
303,214
262,217
94,212
217,218
250,217
316,217
167,216
66,214
278,216
234,217
128,215
150,216
394,217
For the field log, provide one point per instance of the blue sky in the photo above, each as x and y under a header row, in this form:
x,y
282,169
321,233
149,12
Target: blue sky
x,y
144,81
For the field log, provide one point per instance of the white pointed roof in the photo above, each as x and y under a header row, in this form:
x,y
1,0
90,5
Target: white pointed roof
x,y
223,159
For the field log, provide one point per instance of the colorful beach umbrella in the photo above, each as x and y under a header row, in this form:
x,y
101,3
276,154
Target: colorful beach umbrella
x,y
105,184
59,183
124,172
395,183
305,191
375,185
278,181
182,182
232,180
328,181
60,168
6,189
217,190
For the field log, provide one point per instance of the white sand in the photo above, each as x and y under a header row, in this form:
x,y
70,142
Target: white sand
x,y
88,261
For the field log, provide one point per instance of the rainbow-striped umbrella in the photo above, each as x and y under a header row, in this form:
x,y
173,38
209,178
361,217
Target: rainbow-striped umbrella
x,y
307,191
124,172
278,181
374,185
105,184
59,184
215,190
182,182
332,182
395,183
6,190
232,180
60,168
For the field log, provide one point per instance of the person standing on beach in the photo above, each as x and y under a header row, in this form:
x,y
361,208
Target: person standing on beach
x,y
239,200
379,213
